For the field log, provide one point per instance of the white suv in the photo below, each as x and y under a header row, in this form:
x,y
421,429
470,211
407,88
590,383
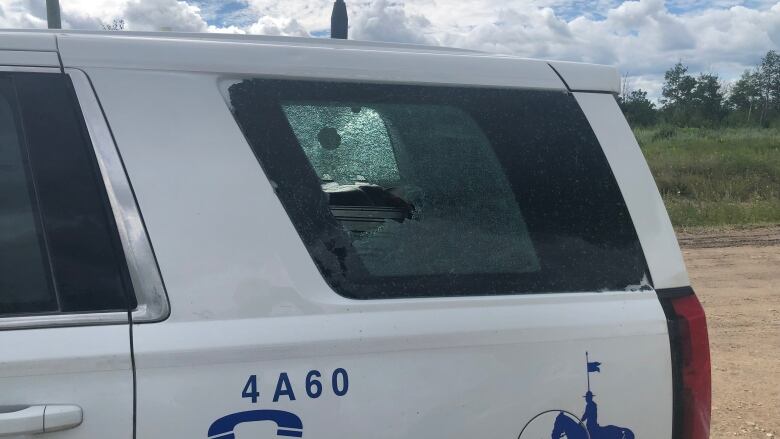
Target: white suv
x,y
213,236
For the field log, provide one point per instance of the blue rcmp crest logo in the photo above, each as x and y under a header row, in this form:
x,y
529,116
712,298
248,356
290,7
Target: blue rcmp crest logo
x,y
562,424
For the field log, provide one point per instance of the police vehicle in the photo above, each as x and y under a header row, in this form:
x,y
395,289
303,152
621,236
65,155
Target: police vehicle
x,y
223,236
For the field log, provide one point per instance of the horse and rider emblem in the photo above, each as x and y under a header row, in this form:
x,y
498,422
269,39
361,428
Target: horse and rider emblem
x,y
567,425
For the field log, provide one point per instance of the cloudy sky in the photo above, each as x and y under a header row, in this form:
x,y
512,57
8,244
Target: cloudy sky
x,y
643,38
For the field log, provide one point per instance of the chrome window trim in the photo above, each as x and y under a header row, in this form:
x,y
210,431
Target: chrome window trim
x,y
61,320
147,283
145,276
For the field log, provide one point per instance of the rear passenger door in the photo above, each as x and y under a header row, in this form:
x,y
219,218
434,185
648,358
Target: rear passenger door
x,y
68,275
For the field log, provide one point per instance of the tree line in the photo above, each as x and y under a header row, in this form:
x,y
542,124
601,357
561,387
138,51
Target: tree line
x,y
704,100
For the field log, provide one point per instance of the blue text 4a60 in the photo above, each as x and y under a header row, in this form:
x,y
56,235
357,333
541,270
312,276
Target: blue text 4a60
x,y
313,385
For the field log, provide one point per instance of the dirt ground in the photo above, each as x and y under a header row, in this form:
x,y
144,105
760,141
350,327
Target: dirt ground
x,y
736,274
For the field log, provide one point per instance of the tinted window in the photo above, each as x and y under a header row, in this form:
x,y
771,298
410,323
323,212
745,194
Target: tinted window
x,y
409,191
25,281
59,250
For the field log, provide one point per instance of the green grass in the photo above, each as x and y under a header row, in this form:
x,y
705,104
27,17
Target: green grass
x,y
716,177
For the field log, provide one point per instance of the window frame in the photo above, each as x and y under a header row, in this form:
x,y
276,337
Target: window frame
x,y
320,240
147,284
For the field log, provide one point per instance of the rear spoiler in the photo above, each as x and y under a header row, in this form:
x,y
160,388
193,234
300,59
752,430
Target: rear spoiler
x,y
587,77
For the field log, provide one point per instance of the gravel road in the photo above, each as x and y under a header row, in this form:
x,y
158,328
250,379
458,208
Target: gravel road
x,y
736,274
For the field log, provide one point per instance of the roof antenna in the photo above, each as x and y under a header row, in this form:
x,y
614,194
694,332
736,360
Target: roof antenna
x,y
339,22
53,14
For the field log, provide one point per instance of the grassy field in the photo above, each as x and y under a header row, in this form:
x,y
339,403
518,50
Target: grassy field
x,y
716,177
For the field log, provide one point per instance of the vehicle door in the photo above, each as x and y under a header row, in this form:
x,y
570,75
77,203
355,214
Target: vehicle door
x,y
68,274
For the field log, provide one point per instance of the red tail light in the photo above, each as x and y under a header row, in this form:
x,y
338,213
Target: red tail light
x,y
691,366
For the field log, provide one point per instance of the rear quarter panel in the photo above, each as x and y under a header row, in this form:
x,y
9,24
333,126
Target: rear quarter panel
x,y
247,299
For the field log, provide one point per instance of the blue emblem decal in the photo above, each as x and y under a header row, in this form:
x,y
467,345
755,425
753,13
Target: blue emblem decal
x,y
569,426
590,417
288,424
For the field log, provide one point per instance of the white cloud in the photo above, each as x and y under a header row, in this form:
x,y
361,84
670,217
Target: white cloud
x,y
22,14
641,37
387,21
141,15
312,15
278,26
163,15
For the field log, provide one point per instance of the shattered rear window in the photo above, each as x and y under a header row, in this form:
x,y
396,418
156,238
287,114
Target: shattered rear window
x,y
363,151
411,191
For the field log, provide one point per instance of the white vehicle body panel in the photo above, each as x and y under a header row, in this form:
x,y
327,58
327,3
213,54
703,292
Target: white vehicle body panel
x,y
28,40
29,49
32,59
247,299
254,303
88,367
305,61
451,379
